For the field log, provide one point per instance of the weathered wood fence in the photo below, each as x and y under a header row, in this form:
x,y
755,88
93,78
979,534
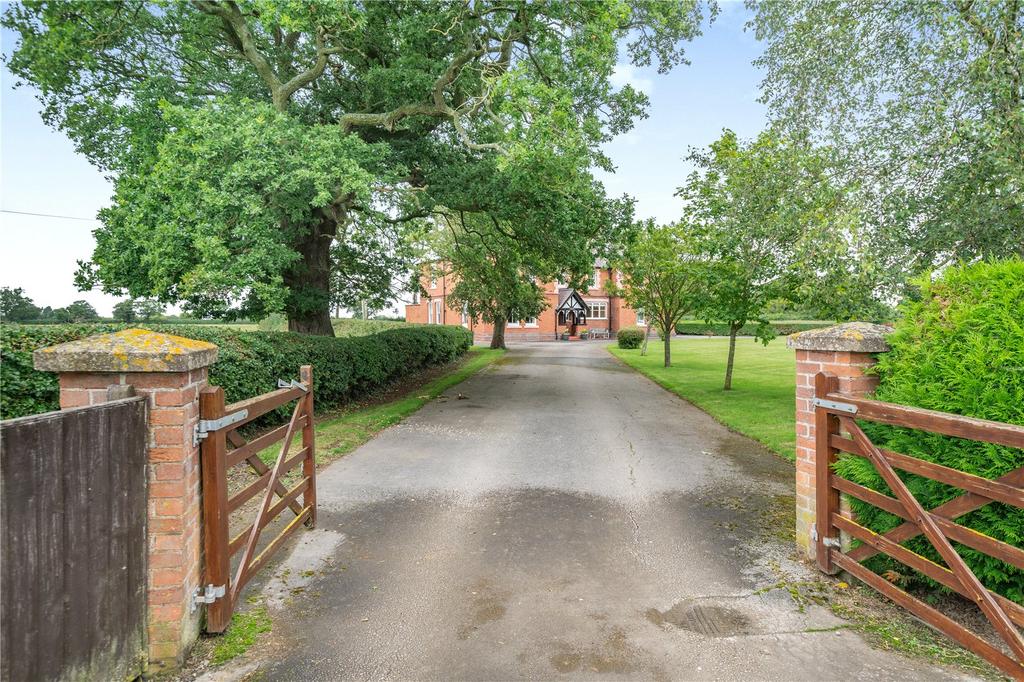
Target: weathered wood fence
x,y
73,490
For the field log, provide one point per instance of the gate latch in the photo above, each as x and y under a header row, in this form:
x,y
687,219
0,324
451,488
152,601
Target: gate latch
x,y
207,596
833,405
828,542
281,383
205,426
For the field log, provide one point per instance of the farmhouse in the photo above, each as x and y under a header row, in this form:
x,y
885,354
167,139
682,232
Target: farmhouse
x,y
569,311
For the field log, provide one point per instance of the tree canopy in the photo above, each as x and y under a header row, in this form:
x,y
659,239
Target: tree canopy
x,y
922,103
260,148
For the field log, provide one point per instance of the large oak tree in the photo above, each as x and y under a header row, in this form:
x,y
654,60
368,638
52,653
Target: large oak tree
x,y
260,146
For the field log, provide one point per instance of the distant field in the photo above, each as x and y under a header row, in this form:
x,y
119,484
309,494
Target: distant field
x,y
782,327
762,402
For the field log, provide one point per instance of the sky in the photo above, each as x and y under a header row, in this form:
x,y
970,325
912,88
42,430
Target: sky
x,y
41,173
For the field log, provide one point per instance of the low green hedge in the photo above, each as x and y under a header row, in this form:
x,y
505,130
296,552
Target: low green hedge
x,y
782,328
630,337
248,364
960,349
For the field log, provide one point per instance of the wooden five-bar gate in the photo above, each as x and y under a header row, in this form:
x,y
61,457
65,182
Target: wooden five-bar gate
x,y
835,414
218,428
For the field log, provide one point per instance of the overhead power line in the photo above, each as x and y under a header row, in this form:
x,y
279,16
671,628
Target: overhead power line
x,y
48,215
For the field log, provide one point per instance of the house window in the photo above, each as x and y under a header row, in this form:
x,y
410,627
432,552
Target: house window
x,y
596,284
597,310
641,321
433,282
465,315
434,312
530,322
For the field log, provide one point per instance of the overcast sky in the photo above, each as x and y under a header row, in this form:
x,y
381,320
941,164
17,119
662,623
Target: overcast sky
x,y
41,173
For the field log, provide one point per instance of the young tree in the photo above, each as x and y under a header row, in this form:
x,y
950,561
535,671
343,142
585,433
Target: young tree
x,y
15,306
923,103
767,219
248,138
663,276
124,311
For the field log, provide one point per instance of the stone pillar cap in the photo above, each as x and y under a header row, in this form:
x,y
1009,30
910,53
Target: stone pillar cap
x,y
859,337
129,350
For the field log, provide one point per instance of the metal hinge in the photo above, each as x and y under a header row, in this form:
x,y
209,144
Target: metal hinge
x,y
833,405
208,595
205,426
281,383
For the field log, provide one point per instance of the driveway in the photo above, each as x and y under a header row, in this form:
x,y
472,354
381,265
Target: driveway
x,y
564,518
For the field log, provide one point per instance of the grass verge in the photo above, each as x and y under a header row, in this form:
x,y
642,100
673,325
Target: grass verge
x,y
341,434
245,628
761,404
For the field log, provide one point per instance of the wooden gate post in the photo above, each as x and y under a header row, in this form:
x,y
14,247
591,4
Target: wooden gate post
x,y
169,371
846,350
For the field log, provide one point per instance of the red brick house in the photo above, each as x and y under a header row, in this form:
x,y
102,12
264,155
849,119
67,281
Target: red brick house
x,y
568,310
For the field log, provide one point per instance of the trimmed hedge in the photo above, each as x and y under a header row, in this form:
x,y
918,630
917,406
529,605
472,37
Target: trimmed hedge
x,y
630,337
783,328
960,349
248,364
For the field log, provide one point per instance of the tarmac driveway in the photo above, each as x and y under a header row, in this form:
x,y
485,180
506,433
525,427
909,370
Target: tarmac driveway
x,y
566,519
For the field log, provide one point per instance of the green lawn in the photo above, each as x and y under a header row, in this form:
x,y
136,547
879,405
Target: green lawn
x,y
761,404
337,436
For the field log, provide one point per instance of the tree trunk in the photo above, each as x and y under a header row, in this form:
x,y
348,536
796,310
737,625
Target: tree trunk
x,y
309,281
647,337
498,333
667,338
733,330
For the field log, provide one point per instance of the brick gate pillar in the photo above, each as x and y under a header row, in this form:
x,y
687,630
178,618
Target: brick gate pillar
x,y
169,371
846,350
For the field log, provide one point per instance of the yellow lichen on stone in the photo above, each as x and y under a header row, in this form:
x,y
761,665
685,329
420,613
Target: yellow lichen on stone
x,y
137,350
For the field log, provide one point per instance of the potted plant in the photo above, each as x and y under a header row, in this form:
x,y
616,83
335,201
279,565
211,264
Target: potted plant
x,y
584,333
565,336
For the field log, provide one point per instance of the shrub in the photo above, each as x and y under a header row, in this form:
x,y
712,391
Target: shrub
x,y
630,337
248,363
960,349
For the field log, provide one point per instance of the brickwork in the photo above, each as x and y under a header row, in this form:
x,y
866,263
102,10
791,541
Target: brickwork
x,y
844,350
174,531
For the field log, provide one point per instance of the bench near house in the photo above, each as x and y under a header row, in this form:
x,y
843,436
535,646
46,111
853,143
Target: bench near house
x,y
568,311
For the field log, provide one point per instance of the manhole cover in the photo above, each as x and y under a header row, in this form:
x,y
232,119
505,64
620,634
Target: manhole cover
x,y
711,620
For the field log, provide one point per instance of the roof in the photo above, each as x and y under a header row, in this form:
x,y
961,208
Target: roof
x,y
573,302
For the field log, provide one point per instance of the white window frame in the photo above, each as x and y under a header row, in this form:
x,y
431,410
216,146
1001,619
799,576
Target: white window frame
x,y
434,312
641,321
596,283
590,305
433,281
530,322
465,315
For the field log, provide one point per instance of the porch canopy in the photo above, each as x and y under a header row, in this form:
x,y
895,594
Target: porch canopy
x,y
572,309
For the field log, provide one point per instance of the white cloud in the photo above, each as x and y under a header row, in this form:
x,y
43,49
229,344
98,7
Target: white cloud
x,y
626,74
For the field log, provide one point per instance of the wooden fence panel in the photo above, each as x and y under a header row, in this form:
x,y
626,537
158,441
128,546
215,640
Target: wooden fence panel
x,y
73,540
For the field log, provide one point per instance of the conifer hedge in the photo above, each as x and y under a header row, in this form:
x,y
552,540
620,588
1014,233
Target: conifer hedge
x,y
248,363
959,349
